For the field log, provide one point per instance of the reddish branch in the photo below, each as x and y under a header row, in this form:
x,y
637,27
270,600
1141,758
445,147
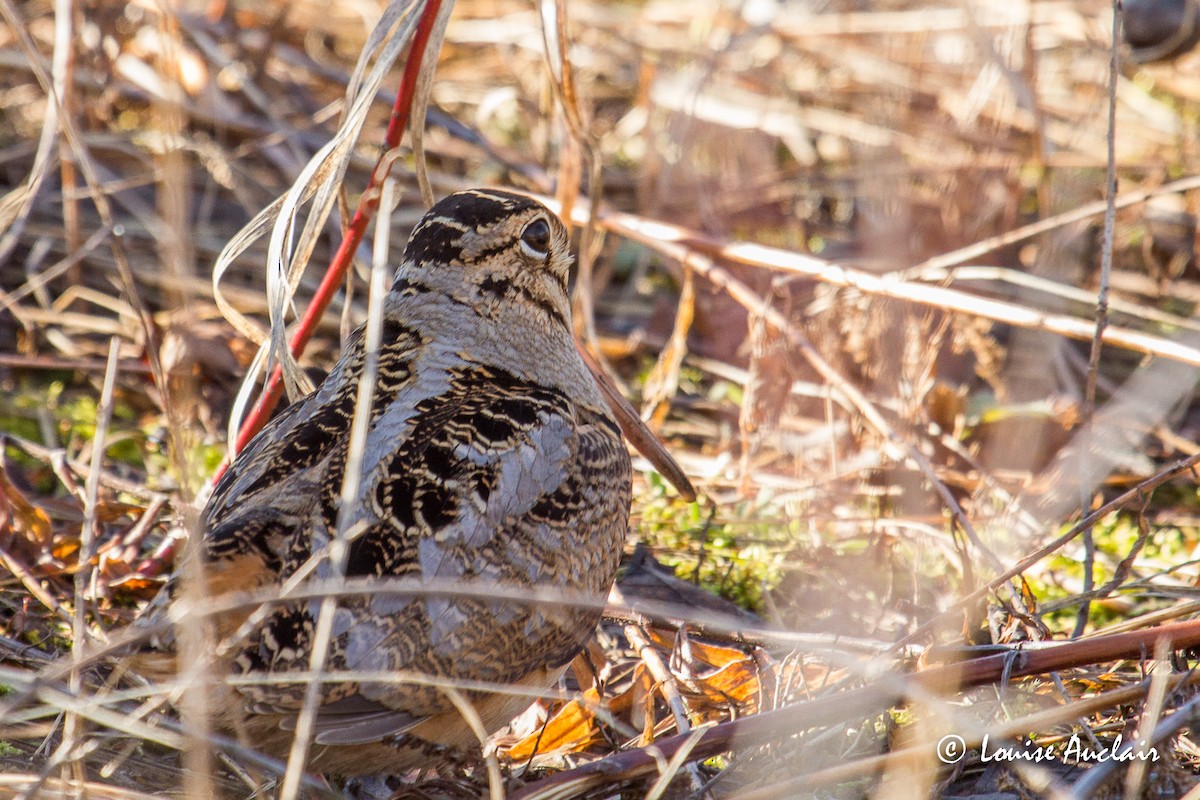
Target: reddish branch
x,y
368,204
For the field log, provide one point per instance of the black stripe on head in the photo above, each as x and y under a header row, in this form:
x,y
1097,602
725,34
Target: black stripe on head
x,y
483,207
438,234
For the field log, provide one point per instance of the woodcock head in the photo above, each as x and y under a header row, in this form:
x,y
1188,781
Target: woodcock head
x,y
491,249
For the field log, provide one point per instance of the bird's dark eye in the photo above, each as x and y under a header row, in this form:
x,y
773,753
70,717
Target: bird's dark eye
x,y
535,239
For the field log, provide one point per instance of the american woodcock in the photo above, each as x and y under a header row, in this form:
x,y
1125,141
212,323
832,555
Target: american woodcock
x,y
491,458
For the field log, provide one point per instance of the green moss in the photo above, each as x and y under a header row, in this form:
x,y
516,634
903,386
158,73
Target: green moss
x,y
735,558
72,411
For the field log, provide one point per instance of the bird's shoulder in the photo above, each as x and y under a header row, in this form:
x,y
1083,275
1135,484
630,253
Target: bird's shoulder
x,y
274,481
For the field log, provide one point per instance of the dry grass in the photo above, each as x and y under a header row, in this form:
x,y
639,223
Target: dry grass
x,y
848,260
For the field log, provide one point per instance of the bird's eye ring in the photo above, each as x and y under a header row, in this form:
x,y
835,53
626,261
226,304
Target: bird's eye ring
x,y
535,239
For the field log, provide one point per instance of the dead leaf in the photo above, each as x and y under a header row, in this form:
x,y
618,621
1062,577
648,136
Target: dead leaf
x,y
642,707
715,654
736,683
24,527
572,728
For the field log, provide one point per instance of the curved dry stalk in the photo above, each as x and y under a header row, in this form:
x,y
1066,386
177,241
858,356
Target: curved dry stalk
x,y
472,718
320,179
399,26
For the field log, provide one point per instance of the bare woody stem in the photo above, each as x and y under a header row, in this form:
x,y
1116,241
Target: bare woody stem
x,y
368,204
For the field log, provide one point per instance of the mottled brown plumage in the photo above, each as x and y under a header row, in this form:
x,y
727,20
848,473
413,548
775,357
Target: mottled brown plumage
x,y
491,457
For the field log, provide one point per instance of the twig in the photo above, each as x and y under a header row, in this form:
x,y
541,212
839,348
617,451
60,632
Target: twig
x,y
1120,574
81,364
1176,469
668,771
73,258
1088,407
965,254
1074,294
672,240
666,684
340,547
72,727
62,67
1087,786
1152,711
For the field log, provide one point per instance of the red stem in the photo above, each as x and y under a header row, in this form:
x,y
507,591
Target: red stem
x,y
368,204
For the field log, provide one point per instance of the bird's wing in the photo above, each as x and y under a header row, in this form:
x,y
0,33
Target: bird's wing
x,y
257,522
262,503
470,472
497,479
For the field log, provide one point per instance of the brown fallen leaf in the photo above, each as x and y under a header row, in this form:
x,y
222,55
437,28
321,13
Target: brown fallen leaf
x,y
25,529
736,682
573,727
716,655
641,711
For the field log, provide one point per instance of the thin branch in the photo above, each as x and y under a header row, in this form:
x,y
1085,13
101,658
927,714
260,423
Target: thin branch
x,y
1087,411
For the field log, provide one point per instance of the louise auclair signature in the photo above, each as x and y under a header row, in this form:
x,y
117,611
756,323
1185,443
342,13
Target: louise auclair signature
x,y
1072,750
